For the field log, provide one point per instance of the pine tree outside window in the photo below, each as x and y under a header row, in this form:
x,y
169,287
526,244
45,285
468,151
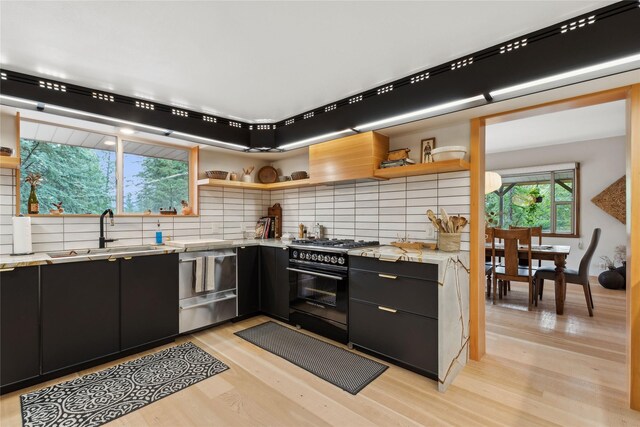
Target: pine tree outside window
x,y
80,168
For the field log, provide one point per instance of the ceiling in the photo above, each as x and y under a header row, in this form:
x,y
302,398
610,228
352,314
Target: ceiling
x,y
562,127
255,61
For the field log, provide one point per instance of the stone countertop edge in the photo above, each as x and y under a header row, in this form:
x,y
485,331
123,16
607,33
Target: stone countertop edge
x,y
393,253
41,258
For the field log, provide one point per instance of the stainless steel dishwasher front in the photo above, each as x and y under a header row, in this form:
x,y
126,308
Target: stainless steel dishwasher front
x,y
208,288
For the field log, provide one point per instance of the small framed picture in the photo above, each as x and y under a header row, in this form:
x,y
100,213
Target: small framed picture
x,y
426,146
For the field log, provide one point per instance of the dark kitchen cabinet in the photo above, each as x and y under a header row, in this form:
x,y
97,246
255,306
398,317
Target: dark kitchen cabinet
x,y
274,283
80,312
148,299
393,311
19,325
248,280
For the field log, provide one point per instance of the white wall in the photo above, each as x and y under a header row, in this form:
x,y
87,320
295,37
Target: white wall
x,y
8,127
223,215
602,162
228,161
287,165
457,134
367,210
376,210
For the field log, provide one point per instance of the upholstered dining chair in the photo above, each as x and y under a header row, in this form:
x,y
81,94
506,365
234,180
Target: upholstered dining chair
x,y
512,240
579,277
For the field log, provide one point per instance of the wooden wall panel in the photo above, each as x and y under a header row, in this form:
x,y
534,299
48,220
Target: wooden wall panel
x,y
633,246
476,250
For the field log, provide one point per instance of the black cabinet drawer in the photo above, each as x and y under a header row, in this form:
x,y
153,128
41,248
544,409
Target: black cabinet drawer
x,y
416,270
402,293
405,337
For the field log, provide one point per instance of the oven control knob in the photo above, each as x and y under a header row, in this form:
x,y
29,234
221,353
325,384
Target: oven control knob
x,y
327,258
341,260
314,257
295,254
334,259
307,256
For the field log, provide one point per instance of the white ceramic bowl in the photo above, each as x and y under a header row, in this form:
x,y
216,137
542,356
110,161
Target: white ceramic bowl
x,y
449,153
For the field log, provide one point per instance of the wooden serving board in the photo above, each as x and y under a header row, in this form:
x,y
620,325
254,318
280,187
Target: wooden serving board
x,y
276,211
414,245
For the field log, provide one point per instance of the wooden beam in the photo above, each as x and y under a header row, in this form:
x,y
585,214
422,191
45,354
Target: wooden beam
x,y
16,173
611,95
476,252
633,245
194,170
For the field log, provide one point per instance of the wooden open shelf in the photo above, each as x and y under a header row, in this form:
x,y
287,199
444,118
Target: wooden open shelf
x,y
255,185
422,169
9,162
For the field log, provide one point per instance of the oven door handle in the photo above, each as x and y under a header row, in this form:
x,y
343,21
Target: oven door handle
x,y
313,273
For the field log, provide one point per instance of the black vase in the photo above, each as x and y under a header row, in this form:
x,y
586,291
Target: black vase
x,y
611,279
623,270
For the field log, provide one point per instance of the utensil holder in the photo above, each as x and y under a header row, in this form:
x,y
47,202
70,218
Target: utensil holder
x,y
449,242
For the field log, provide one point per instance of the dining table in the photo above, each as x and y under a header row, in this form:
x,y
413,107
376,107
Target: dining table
x,y
556,253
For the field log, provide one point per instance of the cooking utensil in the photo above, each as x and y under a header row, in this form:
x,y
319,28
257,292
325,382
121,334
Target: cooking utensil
x,y
267,175
445,220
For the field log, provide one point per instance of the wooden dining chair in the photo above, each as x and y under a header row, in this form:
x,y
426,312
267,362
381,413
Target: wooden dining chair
x,y
535,232
579,277
488,265
512,271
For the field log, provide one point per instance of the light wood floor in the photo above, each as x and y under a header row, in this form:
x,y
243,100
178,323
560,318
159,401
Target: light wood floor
x,y
541,369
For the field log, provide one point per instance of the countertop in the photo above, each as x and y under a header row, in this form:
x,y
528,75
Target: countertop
x,y
389,253
114,252
393,253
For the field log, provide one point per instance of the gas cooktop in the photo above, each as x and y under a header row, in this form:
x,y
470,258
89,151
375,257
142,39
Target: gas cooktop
x,y
343,244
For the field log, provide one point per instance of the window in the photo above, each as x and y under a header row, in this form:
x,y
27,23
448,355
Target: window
x,y
78,168
90,172
154,177
539,196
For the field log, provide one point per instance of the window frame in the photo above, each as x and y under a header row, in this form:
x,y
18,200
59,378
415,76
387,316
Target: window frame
x,y
193,155
575,203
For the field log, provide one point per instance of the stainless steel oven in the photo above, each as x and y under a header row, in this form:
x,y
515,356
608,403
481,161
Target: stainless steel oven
x,y
319,298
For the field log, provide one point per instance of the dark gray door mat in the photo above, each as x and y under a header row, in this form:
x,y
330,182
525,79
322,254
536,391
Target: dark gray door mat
x,y
97,398
349,371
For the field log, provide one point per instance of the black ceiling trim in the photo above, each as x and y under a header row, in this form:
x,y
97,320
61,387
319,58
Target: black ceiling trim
x,y
607,33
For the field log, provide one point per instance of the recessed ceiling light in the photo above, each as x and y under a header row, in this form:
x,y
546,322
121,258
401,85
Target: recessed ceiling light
x,y
109,142
127,131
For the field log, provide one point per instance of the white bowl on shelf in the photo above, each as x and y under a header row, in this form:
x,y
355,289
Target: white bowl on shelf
x,y
451,152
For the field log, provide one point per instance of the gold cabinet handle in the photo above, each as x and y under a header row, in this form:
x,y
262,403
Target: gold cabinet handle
x,y
127,258
387,276
390,310
6,269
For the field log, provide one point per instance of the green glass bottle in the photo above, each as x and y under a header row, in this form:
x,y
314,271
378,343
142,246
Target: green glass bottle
x,y
33,205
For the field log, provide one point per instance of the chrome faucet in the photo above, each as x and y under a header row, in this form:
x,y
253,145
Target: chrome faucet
x,y
102,241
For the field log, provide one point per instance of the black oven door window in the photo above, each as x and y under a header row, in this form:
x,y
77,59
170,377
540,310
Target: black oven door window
x,y
321,296
317,289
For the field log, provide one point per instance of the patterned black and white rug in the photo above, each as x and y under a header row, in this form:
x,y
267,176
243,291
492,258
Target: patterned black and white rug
x,y
349,371
103,396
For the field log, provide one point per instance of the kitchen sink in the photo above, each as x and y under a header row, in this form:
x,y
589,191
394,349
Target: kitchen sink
x,y
126,250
